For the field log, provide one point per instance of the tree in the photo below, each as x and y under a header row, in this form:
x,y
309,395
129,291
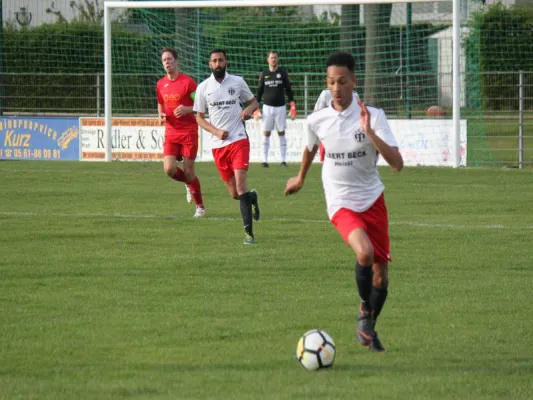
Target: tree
x,y
377,23
86,10
349,19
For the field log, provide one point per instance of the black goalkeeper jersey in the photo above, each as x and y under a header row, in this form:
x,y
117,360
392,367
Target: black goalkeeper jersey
x,y
273,86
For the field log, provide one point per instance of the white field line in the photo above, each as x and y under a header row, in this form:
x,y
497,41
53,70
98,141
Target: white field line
x,y
298,220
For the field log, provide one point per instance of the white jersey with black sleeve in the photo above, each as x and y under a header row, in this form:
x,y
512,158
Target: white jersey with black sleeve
x,y
223,101
349,175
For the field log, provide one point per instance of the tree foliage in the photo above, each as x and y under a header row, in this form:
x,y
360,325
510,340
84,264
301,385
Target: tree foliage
x,y
503,38
85,10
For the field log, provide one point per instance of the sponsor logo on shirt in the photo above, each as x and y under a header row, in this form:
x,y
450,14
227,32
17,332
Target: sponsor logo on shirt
x,y
222,103
346,159
171,97
359,135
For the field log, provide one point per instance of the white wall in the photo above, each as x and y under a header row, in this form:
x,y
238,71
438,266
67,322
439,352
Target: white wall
x,y
37,8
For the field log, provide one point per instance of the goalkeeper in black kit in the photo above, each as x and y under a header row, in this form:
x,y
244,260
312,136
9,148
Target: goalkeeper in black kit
x,y
273,84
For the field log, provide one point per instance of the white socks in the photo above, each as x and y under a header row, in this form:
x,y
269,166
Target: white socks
x,y
283,148
266,148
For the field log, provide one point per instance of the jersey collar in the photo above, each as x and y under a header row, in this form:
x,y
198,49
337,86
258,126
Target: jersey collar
x,y
352,109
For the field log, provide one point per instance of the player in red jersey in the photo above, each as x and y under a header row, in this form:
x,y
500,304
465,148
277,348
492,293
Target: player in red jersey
x,y
175,99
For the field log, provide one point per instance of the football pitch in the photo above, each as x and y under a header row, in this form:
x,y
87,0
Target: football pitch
x,y
111,290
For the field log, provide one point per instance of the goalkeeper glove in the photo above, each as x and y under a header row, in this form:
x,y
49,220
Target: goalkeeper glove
x,y
257,115
292,111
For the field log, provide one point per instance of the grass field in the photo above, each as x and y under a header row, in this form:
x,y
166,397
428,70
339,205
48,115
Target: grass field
x,y
110,290
502,138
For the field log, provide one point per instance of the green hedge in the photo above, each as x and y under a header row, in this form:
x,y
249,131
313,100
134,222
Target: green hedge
x,y
504,36
36,61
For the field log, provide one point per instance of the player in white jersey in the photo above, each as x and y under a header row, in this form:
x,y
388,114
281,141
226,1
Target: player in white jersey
x,y
354,135
323,101
222,95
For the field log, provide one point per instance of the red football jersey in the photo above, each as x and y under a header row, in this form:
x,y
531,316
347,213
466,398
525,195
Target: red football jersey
x,y
171,94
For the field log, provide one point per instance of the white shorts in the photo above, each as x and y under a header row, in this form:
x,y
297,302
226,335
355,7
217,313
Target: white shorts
x,y
274,118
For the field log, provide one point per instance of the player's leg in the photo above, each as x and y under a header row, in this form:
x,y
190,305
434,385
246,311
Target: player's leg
x,y
281,124
171,152
266,148
268,126
380,283
352,228
190,150
221,157
360,243
378,232
240,192
248,199
188,195
232,188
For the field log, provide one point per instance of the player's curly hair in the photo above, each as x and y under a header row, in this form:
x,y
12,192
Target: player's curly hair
x,y
341,59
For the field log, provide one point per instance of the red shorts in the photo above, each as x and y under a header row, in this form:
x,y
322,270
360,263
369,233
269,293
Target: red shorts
x,y
181,146
373,221
231,157
322,152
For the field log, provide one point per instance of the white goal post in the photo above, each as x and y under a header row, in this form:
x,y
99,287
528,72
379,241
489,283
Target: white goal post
x,y
108,5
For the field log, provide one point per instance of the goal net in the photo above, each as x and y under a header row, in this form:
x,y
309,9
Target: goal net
x,y
403,52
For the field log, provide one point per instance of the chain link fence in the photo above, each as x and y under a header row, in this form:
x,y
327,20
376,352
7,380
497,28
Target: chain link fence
x,y
504,127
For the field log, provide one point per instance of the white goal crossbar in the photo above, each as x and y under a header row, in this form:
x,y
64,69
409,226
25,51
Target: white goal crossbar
x,y
108,5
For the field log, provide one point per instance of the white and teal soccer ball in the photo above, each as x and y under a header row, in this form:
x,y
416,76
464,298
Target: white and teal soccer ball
x,y
315,350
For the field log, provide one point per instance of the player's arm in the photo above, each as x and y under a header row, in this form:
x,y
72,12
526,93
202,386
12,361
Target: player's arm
x,y
260,88
295,183
290,95
251,107
207,126
200,108
288,87
182,110
391,154
161,116
246,97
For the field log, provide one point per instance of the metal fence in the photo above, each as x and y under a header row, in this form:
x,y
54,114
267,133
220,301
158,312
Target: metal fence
x,y
500,103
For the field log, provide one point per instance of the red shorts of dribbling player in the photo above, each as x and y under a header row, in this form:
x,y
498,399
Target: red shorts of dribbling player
x,y
373,221
181,146
234,156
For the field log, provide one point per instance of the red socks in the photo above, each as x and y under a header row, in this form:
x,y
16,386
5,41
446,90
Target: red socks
x,y
194,186
179,176
196,192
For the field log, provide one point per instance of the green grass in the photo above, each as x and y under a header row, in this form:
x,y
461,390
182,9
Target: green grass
x,y
502,139
110,290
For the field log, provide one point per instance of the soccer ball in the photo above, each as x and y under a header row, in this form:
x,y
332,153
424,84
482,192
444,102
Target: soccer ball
x,y
435,111
315,350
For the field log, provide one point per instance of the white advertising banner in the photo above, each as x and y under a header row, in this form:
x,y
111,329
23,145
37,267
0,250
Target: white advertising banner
x,y
132,139
425,142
